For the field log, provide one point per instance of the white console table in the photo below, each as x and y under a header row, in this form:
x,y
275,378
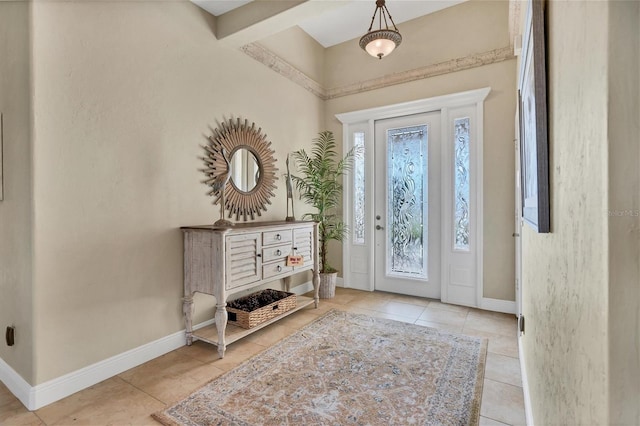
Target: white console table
x,y
224,261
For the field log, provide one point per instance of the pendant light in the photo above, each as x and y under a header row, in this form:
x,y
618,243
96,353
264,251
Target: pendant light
x,y
383,41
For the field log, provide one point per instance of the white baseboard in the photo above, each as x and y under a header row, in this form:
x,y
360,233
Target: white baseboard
x,y
528,412
498,305
35,397
15,383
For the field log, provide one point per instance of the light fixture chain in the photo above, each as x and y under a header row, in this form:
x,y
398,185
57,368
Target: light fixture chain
x,y
373,19
390,18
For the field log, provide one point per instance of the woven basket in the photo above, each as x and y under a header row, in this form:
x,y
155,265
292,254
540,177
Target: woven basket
x,y
251,319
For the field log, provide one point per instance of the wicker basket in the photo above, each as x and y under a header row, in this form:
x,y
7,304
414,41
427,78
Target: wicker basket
x,y
251,319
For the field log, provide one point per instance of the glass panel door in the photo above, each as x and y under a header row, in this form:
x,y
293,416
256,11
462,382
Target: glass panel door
x,y
407,205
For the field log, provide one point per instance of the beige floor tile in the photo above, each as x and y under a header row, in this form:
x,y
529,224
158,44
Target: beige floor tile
x,y
503,324
498,343
324,306
502,402
443,316
485,421
342,298
171,377
201,351
374,303
503,369
12,412
440,326
412,300
385,315
403,309
237,353
436,304
299,319
111,402
270,335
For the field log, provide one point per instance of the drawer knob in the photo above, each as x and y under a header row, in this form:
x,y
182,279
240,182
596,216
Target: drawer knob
x,y
278,237
279,268
278,252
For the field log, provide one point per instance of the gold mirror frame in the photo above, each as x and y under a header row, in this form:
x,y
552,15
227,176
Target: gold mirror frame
x,y
229,137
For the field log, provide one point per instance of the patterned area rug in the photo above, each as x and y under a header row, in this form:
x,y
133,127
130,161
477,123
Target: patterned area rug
x,y
347,369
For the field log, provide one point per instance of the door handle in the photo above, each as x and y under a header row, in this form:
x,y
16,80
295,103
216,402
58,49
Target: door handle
x,y
515,234
378,227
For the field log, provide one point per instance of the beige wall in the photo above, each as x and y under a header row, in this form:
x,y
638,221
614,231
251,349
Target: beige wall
x,y
16,290
580,283
300,50
624,208
485,25
125,96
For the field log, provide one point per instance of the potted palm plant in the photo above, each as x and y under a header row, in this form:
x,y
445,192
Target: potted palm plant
x,y
320,185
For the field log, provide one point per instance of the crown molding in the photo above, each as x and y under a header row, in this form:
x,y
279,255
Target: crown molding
x,y
453,65
284,68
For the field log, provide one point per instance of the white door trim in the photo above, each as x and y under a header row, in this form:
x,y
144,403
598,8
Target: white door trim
x,y
366,118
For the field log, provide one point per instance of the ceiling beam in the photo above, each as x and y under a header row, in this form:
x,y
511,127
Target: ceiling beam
x,y
262,18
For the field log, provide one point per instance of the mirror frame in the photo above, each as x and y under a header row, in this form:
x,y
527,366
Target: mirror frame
x,y
229,137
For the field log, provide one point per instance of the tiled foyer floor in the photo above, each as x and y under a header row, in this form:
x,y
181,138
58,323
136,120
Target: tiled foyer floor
x,y
130,397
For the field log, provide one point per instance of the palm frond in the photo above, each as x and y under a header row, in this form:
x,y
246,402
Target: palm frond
x,y
319,184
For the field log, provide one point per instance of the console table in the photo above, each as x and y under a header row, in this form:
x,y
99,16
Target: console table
x,y
224,261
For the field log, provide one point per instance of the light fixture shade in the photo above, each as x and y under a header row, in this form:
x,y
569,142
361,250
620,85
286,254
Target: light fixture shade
x,y
383,41
380,43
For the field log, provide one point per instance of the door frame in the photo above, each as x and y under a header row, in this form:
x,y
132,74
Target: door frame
x,y
365,120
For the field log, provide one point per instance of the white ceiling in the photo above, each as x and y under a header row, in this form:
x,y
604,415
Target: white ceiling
x,y
344,23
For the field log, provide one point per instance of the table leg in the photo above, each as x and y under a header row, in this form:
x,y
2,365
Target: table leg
x,y
221,325
187,309
316,287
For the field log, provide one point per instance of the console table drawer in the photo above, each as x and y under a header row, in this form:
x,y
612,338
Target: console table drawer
x,y
276,268
276,237
275,252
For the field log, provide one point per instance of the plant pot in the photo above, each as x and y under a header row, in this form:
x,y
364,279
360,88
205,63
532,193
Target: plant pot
x,y
328,285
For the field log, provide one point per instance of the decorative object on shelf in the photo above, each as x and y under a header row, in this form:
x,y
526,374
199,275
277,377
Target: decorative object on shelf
x,y
240,169
291,218
383,41
256,308
534,146
320,185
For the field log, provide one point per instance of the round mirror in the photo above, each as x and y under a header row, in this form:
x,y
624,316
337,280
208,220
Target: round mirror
x,y
245,170
240,169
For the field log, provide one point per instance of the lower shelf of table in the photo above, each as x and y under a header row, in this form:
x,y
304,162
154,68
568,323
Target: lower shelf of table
x,y
234,333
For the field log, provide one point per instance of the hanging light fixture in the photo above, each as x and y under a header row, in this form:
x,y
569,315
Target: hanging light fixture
x,y
381,42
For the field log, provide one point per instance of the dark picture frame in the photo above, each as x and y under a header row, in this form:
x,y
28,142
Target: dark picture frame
x,y
534,145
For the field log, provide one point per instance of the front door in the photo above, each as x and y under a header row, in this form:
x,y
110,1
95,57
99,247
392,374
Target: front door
x,y
407,205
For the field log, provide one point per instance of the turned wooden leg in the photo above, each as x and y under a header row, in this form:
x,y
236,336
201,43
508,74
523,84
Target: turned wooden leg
x,y
187,309
316,287
221,325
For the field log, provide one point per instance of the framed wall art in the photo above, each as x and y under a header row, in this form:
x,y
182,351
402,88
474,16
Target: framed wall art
x,y
534,146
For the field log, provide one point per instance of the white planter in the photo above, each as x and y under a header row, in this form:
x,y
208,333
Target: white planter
x,y
328,285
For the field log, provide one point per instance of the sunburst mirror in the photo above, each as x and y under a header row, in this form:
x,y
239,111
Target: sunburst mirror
x,y
240,169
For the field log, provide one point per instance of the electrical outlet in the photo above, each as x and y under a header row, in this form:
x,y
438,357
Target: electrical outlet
x,y
11,336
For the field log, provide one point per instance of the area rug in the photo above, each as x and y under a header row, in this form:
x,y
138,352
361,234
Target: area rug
x,y
347,369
